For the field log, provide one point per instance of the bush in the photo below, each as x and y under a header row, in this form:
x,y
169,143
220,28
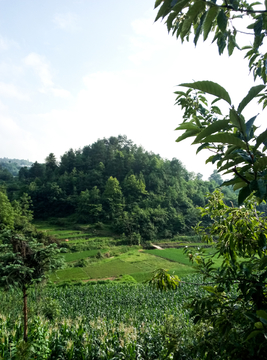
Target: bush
x,y
81,263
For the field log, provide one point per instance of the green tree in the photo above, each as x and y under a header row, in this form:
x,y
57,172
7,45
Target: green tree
x,y
113,198
89,206
24,262
7,213
234,310
133,189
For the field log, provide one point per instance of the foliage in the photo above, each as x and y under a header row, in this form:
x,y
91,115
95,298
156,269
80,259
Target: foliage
x,y
114,182
162,280
24,262
235,307
222,20
232,139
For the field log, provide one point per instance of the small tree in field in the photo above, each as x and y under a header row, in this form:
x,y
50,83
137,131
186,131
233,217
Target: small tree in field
x,y
24,262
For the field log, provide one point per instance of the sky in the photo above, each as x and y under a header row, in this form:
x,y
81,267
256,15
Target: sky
x,y
75,71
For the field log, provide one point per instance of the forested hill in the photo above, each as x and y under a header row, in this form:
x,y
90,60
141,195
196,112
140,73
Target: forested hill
x,y
11,167
114,181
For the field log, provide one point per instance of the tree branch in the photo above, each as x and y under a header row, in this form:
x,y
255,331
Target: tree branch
x,y
240,176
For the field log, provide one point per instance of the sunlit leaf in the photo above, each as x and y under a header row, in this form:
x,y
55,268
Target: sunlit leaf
x,y
210,87
215,127
253,92
222,20
187,134
225,139
209,20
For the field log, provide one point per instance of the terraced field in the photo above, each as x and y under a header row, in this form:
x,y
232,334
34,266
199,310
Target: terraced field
x,y
97,254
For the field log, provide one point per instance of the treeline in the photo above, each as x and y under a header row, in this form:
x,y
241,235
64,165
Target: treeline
x,y
114,181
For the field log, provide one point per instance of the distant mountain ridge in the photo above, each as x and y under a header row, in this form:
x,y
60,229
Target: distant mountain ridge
x,y
13,165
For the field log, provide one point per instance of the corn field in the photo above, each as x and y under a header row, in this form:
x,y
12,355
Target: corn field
x,y
97,322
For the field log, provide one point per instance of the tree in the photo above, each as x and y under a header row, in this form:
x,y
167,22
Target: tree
x,y
234,309
236,148
233,314
113,198
89,206
24,262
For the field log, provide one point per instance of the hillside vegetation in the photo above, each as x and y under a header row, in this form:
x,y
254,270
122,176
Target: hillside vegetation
x,y
142,196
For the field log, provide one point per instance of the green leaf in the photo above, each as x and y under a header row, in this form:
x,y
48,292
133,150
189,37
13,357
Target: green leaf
x,y
243,194
249,127
226,139
221,42
253,92
170,19
260,164
209,20
261,139
187,134
239,185
238,121
230,164
231,44
215,127
203,146
199,28
188,126
196,9
262,314
253,334
180,5
164,10
211,88
157,3
222,21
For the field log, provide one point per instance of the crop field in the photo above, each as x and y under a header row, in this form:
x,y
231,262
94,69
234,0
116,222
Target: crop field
x,y
178,255
79,255
85,243
98,322
138,264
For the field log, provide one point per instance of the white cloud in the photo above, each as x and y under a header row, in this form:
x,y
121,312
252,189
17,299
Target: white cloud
x,y
66,21
10,90
6,44
42,69
60,93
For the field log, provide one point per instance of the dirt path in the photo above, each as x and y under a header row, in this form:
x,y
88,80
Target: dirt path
x,y
157,247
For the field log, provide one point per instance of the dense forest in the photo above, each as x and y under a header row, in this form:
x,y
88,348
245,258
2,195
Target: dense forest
x,y
114,181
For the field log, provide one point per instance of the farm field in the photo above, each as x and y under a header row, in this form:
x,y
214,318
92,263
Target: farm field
x,y
138,264
177,255
97,322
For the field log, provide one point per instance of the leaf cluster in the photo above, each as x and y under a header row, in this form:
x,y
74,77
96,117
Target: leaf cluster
x,y
236,148
221,19
235,307
25,261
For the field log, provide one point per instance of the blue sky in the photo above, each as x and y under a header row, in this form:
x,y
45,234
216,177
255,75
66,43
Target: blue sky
x,y
74,71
